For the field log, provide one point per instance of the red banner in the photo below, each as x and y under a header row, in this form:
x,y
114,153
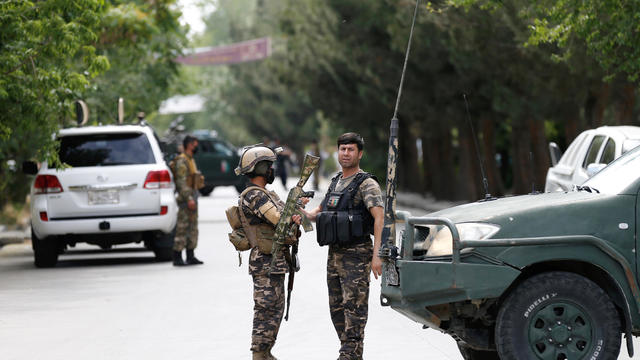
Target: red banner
x,y
245,51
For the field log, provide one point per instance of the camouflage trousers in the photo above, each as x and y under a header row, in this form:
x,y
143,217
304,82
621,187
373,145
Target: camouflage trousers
x,y
186,230
268,309
348,283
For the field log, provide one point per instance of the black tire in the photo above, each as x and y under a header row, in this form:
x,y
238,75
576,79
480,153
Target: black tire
x,y
163,246
558,315
469,353
163,253
45,251
240,186
206,190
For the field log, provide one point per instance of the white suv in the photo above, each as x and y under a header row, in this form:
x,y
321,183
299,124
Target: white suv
x,y
118,189
591,151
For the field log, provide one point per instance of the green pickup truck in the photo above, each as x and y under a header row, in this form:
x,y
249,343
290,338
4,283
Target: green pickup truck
x,y
215,159
540,276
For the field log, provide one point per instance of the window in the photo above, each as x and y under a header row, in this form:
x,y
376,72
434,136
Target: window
x,y
222,149
592,153
106,149
609,152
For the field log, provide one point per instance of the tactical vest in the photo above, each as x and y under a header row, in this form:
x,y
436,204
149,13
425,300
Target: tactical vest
x,y
259,235
340,222
195,179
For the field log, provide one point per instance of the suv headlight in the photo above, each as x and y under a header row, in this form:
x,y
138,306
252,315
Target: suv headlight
x,y
439,242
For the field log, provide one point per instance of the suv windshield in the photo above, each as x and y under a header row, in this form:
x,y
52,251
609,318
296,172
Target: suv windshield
x,y
619,175
106,150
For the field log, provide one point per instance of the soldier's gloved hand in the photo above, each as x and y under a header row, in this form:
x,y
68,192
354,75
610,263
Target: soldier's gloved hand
x,y
192,205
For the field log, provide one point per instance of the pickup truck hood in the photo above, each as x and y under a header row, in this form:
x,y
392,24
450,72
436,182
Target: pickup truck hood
x,y
550,214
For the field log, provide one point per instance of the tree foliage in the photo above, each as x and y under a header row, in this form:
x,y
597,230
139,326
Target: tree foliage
x,y
55,52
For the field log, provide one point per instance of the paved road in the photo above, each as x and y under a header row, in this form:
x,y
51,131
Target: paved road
x,y
124,305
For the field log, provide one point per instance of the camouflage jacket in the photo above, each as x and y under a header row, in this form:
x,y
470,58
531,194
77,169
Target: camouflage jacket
x,y
254,205
180,174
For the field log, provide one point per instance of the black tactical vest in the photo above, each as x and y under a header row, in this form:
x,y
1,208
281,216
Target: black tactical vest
x,y
340,222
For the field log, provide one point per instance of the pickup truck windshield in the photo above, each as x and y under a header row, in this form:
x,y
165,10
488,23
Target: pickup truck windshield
x,y
106,149
619,175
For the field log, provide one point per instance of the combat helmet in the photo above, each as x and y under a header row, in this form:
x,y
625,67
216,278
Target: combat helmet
x,y
254,154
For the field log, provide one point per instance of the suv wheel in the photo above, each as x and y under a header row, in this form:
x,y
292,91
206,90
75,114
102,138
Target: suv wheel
x,y
206,190
469,353
558,315
45,251
163,246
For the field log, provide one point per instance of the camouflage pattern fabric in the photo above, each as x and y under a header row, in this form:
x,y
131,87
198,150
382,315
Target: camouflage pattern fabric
x,y
348,283
348,276
186,230
268,309
369,190
259,263
187,226
268,290
180,175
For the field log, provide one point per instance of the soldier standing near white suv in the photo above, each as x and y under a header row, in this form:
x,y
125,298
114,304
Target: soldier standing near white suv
x,y
117,189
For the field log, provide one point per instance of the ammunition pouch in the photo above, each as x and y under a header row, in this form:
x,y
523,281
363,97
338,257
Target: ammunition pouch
x,y
340,228
238,237
195,181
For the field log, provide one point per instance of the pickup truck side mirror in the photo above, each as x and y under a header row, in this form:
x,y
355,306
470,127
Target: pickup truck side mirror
x,y
594,168
29,167
554,153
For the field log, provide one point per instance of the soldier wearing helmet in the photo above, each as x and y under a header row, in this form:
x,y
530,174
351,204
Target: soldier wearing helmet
x,y
260,213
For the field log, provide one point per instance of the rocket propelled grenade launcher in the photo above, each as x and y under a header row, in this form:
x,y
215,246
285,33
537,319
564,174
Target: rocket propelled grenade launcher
x,y
291,207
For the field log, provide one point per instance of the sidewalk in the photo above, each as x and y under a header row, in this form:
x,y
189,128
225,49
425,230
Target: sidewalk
x,y
12,237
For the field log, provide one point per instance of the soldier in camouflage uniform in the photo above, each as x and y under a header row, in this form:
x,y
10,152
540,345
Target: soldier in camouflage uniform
x,y
261,209
186,175
351,259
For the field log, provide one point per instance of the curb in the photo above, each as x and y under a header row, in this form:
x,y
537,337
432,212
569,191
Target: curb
x,y
13,237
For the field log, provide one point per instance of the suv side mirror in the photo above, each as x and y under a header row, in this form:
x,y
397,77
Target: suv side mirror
x,y
594,168
554,153
29,167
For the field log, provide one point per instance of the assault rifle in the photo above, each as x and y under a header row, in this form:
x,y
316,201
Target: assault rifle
x,y
283,229
291,207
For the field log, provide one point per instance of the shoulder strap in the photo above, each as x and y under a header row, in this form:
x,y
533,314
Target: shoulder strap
x,y
355,185
249,230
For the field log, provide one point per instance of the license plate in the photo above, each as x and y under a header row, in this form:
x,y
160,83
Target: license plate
x,y
101,197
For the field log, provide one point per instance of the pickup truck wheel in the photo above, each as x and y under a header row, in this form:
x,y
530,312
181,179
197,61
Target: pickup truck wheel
x,y
469,353
45,251
558,316
206,190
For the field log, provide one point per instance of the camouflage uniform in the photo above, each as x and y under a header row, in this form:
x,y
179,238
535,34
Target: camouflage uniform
x,y
268,290
187,226
348,278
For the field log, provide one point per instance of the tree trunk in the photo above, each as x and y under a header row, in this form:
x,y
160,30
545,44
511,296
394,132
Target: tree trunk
x,y
596,104
469,174
409,174
520,145
438,163
571,126
539,147
487,126
626,104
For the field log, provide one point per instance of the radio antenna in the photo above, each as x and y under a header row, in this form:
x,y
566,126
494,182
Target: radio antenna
x,y
485,183
388,250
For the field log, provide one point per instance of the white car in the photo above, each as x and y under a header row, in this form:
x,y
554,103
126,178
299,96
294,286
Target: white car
x,y
117,189
591,151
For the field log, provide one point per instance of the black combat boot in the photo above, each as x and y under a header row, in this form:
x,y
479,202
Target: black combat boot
x,y
192,259
177,258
